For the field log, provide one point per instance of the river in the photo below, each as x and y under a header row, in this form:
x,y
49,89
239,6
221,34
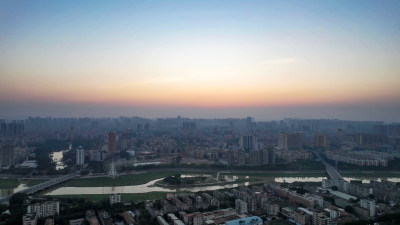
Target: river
x,y
150,187
57,158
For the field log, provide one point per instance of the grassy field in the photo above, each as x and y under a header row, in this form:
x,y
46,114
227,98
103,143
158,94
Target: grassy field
x,y
137,179
13,183
277,174
8,183
124,197
132,179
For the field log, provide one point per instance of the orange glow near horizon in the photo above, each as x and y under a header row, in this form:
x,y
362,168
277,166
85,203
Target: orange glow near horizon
x,y
175,92
196,57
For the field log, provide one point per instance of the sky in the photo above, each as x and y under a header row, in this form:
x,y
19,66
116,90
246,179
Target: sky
x,y
202,59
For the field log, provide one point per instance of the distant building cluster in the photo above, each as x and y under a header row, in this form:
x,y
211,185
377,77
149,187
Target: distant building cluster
x,y
293,155
359,158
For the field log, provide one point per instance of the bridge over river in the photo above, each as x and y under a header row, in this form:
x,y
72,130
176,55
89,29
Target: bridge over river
x,y
41,186
332,172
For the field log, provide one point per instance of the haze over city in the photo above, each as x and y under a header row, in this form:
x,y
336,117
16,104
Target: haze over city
x,y
201,59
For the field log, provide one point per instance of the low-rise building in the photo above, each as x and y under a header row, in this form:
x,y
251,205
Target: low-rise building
x,y
301,217
161,220
49,221
91,217
129,218
253,220
240,206
29,219
370,205
361,212
115,198
79,221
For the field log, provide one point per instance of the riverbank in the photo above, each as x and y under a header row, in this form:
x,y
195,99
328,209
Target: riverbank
x,y
370,174
210,182
122,180
124,197
142,177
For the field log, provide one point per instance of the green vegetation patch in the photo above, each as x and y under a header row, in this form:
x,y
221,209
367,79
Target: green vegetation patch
x,y
8,183
142,178
124,180
124,197
277,174
13,183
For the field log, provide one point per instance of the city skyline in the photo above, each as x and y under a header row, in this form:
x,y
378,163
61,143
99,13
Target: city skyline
x,y
208,59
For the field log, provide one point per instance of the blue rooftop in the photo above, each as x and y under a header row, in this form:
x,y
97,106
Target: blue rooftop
x,y
252,220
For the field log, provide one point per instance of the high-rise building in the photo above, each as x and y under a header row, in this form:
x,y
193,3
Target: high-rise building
x,y
80,156
271,156
189,127
249,122
295,141
45,209
15,129
147,129
248,142
255,158
282,141
139,130
233,157
320,141
112,142
290,141
242,157
7,155
265,157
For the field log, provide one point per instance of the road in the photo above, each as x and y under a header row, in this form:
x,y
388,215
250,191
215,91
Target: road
x,y
332,172
41,186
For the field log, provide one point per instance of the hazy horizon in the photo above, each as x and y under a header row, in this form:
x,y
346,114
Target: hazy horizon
x,y
259,114
200,59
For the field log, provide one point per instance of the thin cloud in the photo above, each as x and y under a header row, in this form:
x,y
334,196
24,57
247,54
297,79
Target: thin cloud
x,y
162,80
282,61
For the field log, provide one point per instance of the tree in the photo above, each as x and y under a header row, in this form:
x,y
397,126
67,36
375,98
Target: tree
x,y
3,208
349,209
352,200
371,196
335,188
18,199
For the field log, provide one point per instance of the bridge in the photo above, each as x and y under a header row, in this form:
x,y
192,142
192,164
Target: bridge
x,y
41,186
332,172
